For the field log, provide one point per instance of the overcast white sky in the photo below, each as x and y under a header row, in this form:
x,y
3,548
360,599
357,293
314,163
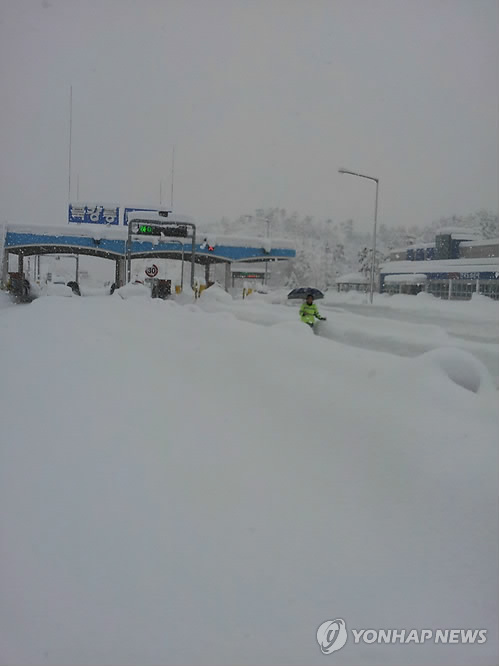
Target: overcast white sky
x,y
263,100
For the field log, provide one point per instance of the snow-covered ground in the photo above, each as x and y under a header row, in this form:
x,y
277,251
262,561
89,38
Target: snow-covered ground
x,y
402,325
180,484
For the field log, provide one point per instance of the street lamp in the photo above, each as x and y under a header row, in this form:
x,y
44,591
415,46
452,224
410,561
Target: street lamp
x,y
376,180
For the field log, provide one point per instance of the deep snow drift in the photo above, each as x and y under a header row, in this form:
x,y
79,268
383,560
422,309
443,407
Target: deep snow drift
x,y
180,486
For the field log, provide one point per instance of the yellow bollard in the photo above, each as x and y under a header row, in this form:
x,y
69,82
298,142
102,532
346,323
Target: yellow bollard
x,y
178,289
250,291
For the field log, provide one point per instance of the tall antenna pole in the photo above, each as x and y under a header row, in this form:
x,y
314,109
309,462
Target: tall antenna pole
x,y
173,175
160,192
70,138
78,187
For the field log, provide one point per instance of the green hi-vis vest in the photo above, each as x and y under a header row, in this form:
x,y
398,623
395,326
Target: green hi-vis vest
x,y
308,313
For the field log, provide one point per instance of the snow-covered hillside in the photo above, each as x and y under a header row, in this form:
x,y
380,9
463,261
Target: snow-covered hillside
x,y
178,485
328,248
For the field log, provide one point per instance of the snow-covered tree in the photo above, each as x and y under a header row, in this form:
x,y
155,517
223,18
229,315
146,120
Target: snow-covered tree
x,y
365,261
328,248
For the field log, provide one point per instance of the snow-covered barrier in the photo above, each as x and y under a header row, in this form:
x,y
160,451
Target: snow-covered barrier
x,y
461,367
131,290
215,293
53,290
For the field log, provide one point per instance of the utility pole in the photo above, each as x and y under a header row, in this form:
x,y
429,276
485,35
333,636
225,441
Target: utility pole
x,y
376,180
70,139
173,176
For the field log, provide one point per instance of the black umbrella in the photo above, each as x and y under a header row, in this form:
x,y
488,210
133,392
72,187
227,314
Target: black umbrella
x,y
303,292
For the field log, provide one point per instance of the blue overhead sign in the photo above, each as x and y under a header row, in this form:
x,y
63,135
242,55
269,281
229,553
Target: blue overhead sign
x,y
94,213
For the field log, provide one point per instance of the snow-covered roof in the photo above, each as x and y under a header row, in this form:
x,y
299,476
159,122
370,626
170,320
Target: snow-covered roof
x,y
405,278
457,231
482,243
114,231
463,236
156,217
464,265
352,278
240,241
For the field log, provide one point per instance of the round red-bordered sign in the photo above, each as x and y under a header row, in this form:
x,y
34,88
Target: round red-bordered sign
x,y
152,271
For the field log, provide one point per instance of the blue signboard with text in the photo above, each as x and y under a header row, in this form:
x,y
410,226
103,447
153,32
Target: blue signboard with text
x,y
93,213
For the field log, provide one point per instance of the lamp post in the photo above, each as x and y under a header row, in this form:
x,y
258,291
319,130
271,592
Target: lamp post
x,y
373,259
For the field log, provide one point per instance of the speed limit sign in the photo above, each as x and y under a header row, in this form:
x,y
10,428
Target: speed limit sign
x,y
151,271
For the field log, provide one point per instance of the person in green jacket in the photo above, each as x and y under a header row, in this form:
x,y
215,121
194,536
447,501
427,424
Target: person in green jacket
x,y
309,312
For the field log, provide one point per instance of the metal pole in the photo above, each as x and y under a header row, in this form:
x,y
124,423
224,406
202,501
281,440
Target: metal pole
x,y
128,252
70,139
376,180
5,268
373,258
182,270
77,266
193,254
173,176
267,263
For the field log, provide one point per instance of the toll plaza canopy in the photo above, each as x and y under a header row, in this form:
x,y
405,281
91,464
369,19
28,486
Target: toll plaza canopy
x,y
110,242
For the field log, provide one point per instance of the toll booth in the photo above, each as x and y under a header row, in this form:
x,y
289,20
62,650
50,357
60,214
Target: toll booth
x,y
19,287
161,288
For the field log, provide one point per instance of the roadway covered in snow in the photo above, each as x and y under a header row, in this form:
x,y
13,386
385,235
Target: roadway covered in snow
x,y
400,325
182,484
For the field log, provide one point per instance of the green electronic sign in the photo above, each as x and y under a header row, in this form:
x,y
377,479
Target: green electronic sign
x,y
144,229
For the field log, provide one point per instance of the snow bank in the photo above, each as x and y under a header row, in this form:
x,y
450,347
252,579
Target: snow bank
x,y
51,289
185,296
461,367
485,303
206,490
132,290
479,307
295,328
86,290
335,297
273,297
215,294
5,299
363,331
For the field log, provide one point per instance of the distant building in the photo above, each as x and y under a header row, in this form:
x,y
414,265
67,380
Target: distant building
x,y
352,282
241,273
455,266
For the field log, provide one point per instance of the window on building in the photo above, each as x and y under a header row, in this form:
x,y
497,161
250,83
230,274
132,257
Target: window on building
x,y
463,289
439,288
490,288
